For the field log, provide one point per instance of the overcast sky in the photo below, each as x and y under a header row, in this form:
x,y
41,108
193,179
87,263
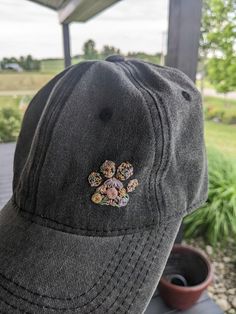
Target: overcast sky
x,y
131,25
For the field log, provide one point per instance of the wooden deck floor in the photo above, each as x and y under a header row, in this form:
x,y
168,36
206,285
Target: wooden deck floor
x,y
6,172
204,306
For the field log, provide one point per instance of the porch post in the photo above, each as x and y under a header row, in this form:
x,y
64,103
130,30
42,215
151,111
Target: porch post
x,y
183,42
66,44
184,35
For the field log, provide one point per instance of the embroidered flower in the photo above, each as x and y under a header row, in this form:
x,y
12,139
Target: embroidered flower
x,y
95,179
132,185
108,168
112,191
123,201
97,198
122,192
124,171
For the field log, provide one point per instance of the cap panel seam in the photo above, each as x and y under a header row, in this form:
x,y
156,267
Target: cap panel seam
x,y
126,67
166,143
55,111
57,118
29,180
33,103
98,232
188,209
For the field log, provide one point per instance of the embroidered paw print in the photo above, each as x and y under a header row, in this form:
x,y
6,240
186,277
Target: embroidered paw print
x,y
112,191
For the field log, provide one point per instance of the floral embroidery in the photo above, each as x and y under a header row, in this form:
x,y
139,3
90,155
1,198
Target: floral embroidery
x,y
95,179
124,171
112,191
108,169
97,198
132,185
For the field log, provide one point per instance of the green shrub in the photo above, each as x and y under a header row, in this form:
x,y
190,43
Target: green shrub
x,y
214,114
229,118
10,122
216,221
220,110
220,115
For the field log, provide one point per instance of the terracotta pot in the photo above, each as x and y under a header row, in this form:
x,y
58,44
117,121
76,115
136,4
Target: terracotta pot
x,y
187,274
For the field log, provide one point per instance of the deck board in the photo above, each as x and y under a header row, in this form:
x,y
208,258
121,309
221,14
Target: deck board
x,y
6,171
205,305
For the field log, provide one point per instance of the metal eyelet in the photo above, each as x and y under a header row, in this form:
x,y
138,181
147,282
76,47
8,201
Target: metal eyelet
x,y
186,95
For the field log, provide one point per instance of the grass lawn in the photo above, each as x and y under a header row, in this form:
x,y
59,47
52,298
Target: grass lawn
x,y
222,137
55,65
219,135
228,105
31,81
224,110
18,102
25,81
219,102
10,100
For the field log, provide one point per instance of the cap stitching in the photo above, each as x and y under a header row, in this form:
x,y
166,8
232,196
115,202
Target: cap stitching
x,y
85,292
56,111
197,203
125,282
150,113
167,143
81,306
175,215
148,269
111,290
143,265
29,180
14,307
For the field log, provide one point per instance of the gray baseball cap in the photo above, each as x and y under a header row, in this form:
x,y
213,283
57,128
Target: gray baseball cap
x,y
109,160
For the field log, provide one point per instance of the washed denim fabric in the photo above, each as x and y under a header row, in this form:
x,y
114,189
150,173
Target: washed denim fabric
x,y
60,252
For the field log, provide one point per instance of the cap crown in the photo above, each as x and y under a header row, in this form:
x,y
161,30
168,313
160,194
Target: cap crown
x,y
148,115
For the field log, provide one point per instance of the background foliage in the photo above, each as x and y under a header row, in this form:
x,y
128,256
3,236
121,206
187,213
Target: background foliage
x,y
10,122
218,42
216,221
27,63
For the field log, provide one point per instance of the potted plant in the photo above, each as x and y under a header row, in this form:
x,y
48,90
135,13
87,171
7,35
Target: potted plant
x,y
187,274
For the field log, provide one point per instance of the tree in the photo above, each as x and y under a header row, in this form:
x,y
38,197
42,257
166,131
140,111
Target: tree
x,y
222,73
218,42
27,63
109,50
89,50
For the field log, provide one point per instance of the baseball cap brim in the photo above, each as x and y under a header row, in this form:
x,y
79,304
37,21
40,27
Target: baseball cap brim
x,y
43,270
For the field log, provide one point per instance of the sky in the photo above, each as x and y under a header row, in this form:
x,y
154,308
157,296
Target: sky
x,y
131,25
